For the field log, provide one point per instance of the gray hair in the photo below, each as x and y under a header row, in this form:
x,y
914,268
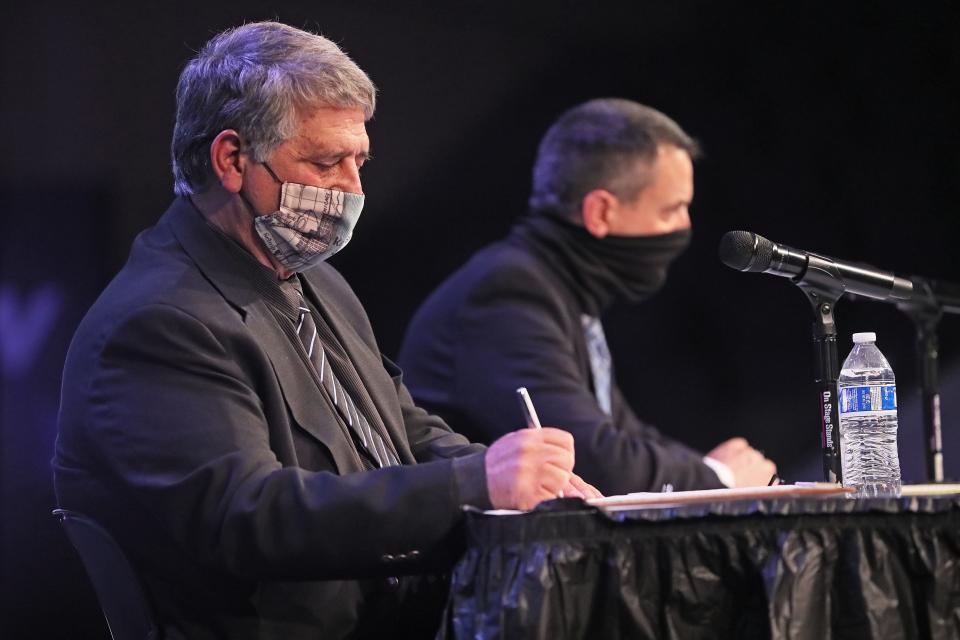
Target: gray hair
x,y
253,79
598,145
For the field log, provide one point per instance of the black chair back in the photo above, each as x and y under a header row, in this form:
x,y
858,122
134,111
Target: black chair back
x,y
118,588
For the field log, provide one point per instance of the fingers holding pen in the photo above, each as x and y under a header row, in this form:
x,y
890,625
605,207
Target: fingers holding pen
x,y
579,488
527,466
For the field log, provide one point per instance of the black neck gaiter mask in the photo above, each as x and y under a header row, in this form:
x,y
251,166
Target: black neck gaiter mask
x,y
603,270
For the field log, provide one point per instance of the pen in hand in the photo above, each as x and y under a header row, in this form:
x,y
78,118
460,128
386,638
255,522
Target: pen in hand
x,y
526,406
530,414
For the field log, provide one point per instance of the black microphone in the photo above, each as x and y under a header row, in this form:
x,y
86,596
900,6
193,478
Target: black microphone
x,y
745,251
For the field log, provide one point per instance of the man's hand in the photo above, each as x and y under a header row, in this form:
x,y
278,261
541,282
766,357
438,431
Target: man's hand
x,y
750,468
578,488
531,465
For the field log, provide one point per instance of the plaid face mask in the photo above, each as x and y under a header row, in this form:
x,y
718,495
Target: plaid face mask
x,y
312,224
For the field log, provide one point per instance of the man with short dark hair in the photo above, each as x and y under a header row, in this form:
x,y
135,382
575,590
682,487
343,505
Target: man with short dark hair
x,y
226,412
612,187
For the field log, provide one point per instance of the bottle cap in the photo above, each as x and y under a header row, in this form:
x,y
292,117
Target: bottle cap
x,y
865,336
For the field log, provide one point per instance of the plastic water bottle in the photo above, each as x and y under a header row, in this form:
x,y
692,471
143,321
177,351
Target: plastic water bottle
x,y
868,421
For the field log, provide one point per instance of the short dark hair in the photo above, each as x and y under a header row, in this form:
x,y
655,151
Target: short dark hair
x,y
596,145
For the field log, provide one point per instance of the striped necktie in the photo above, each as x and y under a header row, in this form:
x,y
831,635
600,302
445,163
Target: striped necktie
x,y
367,439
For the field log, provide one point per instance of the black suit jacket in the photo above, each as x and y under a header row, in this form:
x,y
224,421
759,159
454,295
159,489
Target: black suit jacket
x,y
511,317
191,427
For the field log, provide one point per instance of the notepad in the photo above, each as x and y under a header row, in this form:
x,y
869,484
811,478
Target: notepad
x,y
647,500
644,499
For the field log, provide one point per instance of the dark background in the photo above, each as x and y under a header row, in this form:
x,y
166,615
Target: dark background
x,y
832,128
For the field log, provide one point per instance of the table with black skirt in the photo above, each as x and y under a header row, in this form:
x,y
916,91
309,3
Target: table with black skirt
x,y
788,567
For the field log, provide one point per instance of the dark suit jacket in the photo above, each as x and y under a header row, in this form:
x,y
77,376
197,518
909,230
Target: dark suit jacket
x,y
191,428
508,318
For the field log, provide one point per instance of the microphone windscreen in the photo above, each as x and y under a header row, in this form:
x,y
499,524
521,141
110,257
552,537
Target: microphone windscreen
x,y
745,251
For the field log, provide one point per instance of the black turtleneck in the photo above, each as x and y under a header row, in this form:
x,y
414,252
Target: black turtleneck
x,y
600,271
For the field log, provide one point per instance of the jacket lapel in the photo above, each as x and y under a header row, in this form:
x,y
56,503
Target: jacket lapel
x,y
309,406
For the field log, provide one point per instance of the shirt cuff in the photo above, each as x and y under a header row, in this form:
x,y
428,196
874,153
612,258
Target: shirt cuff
x,y
723,471
470,477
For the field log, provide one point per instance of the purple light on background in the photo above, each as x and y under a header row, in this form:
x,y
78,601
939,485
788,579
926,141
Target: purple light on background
x,y
26,323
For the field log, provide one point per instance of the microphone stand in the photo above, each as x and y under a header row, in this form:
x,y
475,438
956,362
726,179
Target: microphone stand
x,y
823,286
822,281
925,309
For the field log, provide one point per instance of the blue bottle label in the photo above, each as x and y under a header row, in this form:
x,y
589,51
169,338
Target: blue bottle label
x,y
869,399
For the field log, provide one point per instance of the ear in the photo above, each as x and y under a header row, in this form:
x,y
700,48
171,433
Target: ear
x,y
227,161
598,209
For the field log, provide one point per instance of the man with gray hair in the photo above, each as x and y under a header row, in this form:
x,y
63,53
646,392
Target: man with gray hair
x,y
226,413
609,211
